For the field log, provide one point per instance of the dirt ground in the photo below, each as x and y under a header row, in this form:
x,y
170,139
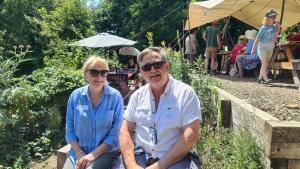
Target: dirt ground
x,y
281,98
50,163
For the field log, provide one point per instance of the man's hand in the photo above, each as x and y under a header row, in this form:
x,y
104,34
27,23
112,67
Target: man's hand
x,y
85,160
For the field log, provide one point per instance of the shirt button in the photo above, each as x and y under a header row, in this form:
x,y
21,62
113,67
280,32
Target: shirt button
x,y
152,149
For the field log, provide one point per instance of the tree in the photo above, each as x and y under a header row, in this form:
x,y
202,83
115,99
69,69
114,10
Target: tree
x,y
133,18
16,25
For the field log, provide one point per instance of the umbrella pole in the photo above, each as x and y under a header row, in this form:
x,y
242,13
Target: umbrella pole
x,y
281,15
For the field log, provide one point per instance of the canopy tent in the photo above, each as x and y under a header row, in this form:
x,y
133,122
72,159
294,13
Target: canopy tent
x,y
104,40
248,11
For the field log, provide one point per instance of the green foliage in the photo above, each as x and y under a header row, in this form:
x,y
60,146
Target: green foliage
x,y
114,63
217,147
8,67
224,148
30,110
70,20
44,25
131,19
149,36
289,31
194,74
179,68
293,29
204,86
17,28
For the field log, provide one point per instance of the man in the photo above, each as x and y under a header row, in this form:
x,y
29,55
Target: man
x,y
165,115
190,46
212,36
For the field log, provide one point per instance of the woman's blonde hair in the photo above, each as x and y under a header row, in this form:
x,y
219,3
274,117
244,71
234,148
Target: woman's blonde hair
x,y
243,37
93,59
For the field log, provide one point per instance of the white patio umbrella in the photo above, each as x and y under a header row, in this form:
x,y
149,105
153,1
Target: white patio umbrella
x,y
248,11
104,40
128,51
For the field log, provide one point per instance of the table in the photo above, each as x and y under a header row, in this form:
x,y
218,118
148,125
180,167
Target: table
x,y
224,56
290,51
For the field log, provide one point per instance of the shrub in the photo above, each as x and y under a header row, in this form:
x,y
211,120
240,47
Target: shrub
x,y
217,147
31,111
226,149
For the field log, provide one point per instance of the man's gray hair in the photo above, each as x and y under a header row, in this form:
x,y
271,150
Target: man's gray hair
x,y
150,50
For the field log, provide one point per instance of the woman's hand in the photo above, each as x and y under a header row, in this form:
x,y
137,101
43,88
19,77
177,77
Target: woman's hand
x,y
85,160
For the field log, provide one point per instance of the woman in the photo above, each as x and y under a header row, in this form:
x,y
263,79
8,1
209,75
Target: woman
x,y
237,50
266,38
248,61
94,117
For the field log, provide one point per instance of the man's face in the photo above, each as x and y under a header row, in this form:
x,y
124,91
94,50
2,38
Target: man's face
x,y
154,70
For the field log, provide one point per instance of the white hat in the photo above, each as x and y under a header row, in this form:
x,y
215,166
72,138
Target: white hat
x,y
251,34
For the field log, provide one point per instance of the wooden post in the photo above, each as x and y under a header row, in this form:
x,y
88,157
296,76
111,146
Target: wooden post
x,y
226,113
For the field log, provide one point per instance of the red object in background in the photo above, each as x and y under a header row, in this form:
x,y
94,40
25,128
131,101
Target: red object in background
x,y
294,37
237,50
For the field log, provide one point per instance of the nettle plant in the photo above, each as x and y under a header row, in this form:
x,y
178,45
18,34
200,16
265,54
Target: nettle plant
x,y
8,67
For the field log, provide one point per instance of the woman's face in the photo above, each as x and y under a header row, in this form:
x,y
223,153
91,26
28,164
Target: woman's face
x,y
242,41
96,74
272,20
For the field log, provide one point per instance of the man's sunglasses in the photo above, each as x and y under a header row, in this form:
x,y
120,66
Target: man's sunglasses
x,y
156,65
95,72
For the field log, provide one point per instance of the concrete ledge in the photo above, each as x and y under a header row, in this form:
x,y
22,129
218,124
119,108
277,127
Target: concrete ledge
x,y
62,155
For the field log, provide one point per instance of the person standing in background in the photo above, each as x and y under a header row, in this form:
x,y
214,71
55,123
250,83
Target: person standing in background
x,y
212,36
191,46
266,39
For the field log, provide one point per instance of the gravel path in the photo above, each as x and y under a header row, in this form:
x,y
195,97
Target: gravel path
x,y
282,100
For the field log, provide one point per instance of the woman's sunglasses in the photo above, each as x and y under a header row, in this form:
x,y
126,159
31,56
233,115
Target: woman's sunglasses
x,y
95,72
156,65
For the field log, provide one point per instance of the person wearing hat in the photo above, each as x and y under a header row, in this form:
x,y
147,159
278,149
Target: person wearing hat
x,y
266,39
248,61
237,50
191,46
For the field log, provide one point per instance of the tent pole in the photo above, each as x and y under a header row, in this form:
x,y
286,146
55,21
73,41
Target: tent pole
x,y
281,15
183,40
178,40
190,42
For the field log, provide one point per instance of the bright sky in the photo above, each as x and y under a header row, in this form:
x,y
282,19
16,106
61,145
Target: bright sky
x,y
93,2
